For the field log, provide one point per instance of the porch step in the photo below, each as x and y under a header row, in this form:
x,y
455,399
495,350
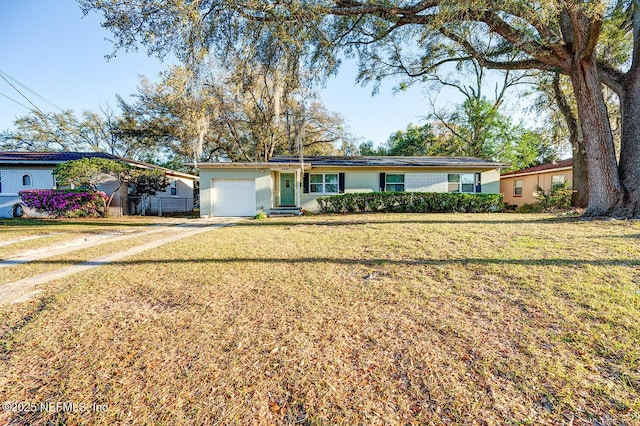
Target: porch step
x,y
285,211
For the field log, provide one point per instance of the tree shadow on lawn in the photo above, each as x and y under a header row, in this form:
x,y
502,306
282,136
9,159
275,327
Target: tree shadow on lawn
x,y
398,221
631,236
363,262
32,223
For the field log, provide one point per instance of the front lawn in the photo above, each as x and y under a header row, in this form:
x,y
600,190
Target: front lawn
x,y
367,319
20,235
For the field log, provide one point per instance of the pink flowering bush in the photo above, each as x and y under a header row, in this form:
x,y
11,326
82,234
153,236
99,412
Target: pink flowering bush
x,y
65,203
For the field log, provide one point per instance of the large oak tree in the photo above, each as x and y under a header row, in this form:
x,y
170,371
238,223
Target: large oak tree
x,y
103,131
239,114
571,37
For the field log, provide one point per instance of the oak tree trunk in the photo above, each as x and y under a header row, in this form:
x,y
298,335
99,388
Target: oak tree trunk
x,y
605,191
580,181
630,147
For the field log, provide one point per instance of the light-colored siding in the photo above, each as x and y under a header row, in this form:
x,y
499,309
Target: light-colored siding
x,y
360,180
11,178
182,201
184,188
425,182
530,185
6,204
490,181
41,178
368,180
162,200
264,187
356,180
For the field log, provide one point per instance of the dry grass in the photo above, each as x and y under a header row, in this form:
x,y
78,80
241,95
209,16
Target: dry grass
x,y
380,319
20,233
52,263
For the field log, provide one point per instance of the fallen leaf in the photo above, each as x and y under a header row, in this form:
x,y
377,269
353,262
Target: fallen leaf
x,y
274,407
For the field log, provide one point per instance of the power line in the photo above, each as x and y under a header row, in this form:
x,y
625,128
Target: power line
x,y
21,94
11,99
5,76
45,118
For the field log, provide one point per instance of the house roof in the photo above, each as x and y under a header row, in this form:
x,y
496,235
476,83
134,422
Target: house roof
x,y
252,165
144,165
542,168
8,157
383,161
53,158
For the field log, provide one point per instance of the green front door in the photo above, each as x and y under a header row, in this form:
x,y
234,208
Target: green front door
x,y
287,189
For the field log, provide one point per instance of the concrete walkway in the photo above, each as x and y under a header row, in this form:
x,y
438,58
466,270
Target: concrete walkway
x,y
24,289
19,240
71,246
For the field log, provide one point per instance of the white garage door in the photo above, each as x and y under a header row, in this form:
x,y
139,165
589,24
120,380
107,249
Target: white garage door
x,y
234,197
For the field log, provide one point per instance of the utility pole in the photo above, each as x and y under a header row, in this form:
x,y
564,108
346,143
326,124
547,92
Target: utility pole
x,y
300,136
288,125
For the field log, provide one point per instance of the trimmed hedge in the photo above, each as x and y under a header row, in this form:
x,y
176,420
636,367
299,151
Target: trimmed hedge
x,y
65,203
411,202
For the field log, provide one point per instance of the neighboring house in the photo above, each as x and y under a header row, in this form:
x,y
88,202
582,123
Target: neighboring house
x,y
284,184
34,170
521,187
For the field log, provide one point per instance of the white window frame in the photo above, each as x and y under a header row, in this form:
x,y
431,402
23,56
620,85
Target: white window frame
x,y
387,183
323,185
173,188
516,187
460,184
557,177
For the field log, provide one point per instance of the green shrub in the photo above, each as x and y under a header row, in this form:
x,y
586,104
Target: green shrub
x,y
556,199
260,216
411,202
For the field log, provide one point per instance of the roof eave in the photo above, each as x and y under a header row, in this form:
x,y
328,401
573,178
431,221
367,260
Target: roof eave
x,y
270,166
148,166
311,165
35,162
535,172
412,166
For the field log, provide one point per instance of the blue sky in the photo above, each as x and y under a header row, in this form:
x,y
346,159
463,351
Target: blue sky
x,y
56,52
50,48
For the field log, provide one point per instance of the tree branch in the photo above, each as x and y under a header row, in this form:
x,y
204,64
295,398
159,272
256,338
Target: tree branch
x,y
524,64
565,108
611,77
519,40
350,8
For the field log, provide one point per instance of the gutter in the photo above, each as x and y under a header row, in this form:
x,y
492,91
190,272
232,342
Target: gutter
x,y
559,169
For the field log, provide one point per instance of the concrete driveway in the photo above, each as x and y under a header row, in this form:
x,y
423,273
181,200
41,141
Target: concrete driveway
x,y
23,289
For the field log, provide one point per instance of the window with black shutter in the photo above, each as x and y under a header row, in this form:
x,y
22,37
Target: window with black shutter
x,y
305,183
394,182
